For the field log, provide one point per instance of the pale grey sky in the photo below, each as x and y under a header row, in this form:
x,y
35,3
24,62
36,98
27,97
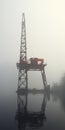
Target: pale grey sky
x,y
45,29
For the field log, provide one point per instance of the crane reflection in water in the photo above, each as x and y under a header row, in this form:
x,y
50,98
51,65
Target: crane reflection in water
x,y
30,119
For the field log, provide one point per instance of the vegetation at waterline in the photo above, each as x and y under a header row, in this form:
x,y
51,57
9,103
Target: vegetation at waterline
x,y
59,90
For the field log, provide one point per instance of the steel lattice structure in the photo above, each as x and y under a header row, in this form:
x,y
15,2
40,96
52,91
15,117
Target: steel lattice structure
x,y
22,77
23,64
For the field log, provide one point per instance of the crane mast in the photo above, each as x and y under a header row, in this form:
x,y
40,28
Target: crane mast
x,y
22,77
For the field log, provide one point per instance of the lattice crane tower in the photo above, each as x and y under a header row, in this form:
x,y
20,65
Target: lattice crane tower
x,y
24,66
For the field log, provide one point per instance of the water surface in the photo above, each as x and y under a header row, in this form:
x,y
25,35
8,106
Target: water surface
x,y
36,111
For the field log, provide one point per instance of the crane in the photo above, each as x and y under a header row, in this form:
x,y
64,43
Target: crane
x,y
24,65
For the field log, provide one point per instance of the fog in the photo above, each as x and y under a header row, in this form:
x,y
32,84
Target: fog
x,y
45,34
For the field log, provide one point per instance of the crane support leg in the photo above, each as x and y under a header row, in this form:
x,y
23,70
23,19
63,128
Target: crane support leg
x,y
44,78
22,79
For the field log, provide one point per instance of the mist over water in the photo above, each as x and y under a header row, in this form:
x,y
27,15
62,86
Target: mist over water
x,y
45,38
48,113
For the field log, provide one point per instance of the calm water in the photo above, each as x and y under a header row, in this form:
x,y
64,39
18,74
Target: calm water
x,y
31,112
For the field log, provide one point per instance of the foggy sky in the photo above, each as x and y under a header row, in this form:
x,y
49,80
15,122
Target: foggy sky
x,y
45,33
